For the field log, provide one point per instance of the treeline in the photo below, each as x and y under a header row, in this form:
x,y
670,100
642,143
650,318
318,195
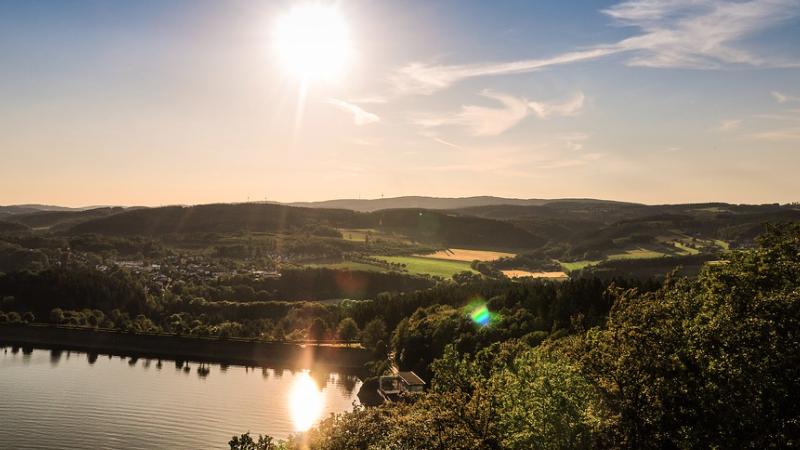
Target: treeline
x,y
43,291
651,268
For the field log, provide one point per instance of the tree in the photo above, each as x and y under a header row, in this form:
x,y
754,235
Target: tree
x,y
56,316
374,332
317,330
711,363
245,442
348,330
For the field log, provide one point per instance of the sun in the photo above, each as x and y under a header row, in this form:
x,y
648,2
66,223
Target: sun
x,y
313,41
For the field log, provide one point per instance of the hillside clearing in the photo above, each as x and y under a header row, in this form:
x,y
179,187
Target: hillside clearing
x,y
427,266
459,254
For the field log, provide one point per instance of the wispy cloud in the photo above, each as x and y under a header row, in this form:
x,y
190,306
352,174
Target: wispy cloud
x,y
574,141
729,125
483,121
360,117
420,78
783,98
449,144
571,162
781,135
569,108
696,34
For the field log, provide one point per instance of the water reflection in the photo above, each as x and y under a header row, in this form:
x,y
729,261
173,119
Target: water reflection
x,y
305,402
276,400
203,370
55,357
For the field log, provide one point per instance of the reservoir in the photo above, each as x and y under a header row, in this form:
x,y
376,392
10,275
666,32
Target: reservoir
x,y
78,400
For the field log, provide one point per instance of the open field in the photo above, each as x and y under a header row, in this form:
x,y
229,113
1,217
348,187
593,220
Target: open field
x,y
459,254
524,273
435,267
360,235
350,265
577,265
688,250
636,253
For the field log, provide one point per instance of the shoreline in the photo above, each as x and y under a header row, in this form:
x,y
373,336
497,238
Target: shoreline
x,y
184,348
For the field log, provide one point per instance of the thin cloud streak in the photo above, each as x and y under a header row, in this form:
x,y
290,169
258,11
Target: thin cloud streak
x,y
572,162
483,121
783,98
450,144
782,135
695,34
419,78
729,125
360,117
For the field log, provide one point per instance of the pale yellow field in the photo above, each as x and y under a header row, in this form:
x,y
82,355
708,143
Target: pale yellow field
x,y
458,254
524,273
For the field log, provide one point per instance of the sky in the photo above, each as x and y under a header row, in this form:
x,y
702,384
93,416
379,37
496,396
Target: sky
x,y
156,102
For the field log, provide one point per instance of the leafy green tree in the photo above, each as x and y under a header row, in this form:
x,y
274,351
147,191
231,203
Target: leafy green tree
x,y
318,330
711,363
374,332
245,442
278,334
56,316
348,330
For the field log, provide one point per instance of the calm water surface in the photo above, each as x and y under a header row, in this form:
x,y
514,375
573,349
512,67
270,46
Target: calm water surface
x,y
72,400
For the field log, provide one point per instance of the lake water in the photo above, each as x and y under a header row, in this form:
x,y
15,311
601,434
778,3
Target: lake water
x,y
73,400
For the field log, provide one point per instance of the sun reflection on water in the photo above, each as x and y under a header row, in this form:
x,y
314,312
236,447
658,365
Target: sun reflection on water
x,y
305,402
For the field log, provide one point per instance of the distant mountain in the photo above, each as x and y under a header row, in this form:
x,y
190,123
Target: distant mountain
x,y
438,203
27,209
62,219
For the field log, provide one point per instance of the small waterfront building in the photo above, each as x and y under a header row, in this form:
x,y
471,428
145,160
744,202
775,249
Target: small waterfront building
x,y
393,385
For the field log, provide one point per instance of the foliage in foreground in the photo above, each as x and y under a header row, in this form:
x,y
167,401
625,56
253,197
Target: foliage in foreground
x,y
710,363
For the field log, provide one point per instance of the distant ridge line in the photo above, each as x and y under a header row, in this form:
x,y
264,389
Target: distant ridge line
x,y
371,205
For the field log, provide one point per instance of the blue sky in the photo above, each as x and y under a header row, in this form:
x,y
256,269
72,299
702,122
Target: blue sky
x,y
187,101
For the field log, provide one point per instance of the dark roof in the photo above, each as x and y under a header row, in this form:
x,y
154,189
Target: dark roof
x,y
411,378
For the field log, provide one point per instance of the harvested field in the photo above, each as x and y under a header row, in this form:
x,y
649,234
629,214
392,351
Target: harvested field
x,y
524,273
458,254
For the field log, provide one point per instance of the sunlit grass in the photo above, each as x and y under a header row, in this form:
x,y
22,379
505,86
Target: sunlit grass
x,y
350,265
426,266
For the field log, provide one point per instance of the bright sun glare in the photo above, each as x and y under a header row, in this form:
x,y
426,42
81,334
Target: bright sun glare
x,y
305,402
313,41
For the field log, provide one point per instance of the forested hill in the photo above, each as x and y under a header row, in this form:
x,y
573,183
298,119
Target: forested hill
x,y
445,203
612,212
223,218
421,225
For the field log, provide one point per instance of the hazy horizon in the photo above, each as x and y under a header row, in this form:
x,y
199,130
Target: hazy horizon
x,y
148,103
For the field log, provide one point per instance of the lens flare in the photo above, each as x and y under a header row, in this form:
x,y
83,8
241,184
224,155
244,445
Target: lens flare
x,y
480,315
